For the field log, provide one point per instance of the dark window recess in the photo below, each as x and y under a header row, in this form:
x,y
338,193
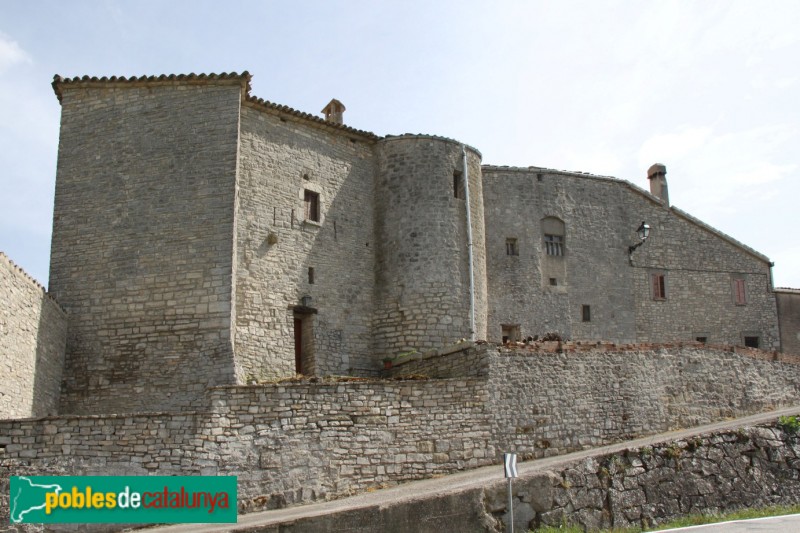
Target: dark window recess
x,y
751,342
511,247
539,177
738,292
553,281
311,275
586,311
659,283
458,184
510,333
701,339
311,203
554,245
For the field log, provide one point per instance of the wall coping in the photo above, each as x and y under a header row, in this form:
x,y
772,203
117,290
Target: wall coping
x,y
30,279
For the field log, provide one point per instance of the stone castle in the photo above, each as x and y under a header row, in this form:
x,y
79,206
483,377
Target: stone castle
x,y
206,243
203,237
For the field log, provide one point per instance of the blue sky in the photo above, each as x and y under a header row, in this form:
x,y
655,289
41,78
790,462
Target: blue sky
x,y
708,88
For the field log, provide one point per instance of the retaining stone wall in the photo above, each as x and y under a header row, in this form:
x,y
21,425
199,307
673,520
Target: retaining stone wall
x,y
552,403
33,333
287,443
462,360
749,467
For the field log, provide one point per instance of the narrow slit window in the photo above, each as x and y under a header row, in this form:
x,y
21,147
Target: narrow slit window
x,y
311,203
311,275
458,184
586,312
739,295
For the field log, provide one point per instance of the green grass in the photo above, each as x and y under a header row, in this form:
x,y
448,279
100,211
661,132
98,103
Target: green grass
x,y
692,520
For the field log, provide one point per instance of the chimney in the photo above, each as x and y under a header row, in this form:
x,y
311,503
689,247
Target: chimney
x,y
334,111
657,174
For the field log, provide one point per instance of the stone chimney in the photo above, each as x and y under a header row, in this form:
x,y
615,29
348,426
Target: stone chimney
x,y
657,174
334,111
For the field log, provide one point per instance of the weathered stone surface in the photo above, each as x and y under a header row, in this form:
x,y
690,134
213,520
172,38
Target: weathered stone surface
x,y
33,333
601,216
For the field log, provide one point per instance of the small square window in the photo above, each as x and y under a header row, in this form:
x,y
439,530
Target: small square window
x,y
510,332
311,204
553,282
586,312
511,247
658,282
751,341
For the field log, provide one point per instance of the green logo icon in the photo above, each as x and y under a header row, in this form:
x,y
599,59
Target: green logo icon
x,y
122,499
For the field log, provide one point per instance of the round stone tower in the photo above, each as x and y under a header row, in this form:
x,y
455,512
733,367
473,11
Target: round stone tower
x,y
422,261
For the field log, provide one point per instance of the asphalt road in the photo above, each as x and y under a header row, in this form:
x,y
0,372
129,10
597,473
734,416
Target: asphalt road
x,y
773,524
479,477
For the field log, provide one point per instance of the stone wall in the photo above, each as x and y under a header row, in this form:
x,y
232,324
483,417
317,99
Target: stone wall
x,y
287,443
422,266
542,293
730,470
552,403
143,240
789,318
33,332
281,158
461,360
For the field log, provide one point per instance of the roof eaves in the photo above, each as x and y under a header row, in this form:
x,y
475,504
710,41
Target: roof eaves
x,y
720,234
287,111
635,188
90,81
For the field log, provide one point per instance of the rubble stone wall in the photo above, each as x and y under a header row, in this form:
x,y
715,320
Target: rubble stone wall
x,y
287,443
33,333
743,468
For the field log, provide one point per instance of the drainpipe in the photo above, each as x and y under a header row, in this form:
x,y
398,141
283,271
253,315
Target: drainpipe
x,y
469,249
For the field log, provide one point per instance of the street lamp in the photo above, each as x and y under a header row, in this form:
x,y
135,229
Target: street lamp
x,y
643,231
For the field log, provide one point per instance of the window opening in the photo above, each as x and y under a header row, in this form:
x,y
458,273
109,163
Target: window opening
x,y
701,339
554,244
751,341
553,281
739,296
586,311
311,275
510,333
511,247
311,203
659,284
458,184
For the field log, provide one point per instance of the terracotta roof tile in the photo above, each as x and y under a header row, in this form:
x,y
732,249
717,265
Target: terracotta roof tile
x,y
59,82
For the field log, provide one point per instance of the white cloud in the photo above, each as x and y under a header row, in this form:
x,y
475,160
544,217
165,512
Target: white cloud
x,y
667,147
11,53
763,173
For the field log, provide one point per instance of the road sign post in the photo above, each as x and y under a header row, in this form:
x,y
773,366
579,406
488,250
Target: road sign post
x,y
510,467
